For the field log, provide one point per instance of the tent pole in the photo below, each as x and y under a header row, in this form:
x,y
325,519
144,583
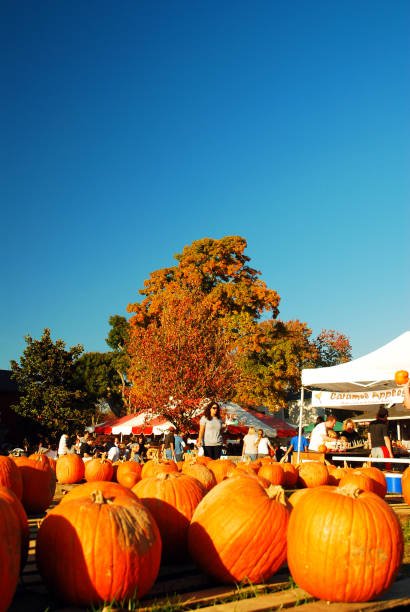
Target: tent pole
x,y
302,398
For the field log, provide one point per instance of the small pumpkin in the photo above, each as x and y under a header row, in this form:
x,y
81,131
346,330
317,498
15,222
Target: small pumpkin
x,y
221,468
363,538
42,458
360,480
322,448
401,377
10,476
379,480
10,553
127,467
405,485
115,548
273,472
224,540
312,474
98,469
70,469
155,466
200,472
291,475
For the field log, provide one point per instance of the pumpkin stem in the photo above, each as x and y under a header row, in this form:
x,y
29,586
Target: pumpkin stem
x,y
277,493
349,489
98,498
163,475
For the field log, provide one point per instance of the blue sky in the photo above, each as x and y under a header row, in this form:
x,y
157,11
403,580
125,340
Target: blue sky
x,y
131,129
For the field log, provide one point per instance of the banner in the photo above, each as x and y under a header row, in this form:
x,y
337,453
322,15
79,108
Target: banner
x,y
327,399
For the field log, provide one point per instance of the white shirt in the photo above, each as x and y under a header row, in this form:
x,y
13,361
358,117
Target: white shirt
x,y
250,446
62,445
263,446
317,435
114,453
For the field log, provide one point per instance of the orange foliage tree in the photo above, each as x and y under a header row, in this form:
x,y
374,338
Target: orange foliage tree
x,y
180,358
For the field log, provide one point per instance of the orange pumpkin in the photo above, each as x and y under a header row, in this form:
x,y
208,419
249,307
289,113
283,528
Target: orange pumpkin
x,y
203,459
10,553
154,466
10,476
115,548
299,493
291,475
241,474
201,473
405,485
171,498
98,469
379,480
10,497
224,540
39,484
42,458
322,448
112,491
126,468
273,472
363,538
401,377
221,468
70,469
312,474
336,474
360,480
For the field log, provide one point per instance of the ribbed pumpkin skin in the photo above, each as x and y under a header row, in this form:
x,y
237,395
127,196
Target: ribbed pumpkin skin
x,y
312,474
11,498
39,485
115,551
299,493
336,474
342,548
238,533
98,469
70,469
272,472
221,468
405,485
10,476
112,491
10,547
200,472
44,460
379,480
171,498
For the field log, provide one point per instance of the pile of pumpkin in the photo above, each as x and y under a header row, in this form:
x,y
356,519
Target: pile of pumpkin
x,y
105,540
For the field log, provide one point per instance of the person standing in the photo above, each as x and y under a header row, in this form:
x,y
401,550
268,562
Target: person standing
x,y
179,446
250,445
294,445
378,436
169,445
263,444
210,431
319,433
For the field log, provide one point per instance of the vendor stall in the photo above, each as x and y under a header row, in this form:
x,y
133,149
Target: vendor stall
x,y
363,383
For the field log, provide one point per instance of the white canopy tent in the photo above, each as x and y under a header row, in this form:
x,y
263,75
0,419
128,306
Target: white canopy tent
x,y
372,374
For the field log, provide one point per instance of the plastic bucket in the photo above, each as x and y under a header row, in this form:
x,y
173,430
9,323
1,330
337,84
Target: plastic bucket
x,y
393,482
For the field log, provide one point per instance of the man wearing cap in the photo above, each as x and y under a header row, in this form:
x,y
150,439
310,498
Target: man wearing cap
x,y
379,441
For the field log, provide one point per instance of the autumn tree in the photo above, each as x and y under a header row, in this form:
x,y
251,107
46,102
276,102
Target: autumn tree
x,y
332,348
179,358
45,378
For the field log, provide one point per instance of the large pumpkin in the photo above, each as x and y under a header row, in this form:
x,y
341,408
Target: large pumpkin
x,y
291,475
238,532
90,551
10,552
344,545
11,498
360,479
10,476
112,491
39,485
70,469
405,485
171,498
312,474
98,469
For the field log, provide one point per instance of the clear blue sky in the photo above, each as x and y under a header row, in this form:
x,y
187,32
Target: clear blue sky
x,y
130,129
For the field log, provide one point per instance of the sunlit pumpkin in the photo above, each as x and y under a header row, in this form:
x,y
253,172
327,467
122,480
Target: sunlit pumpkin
x,y
70,469
112,491
405,485
401,377
312,474
10,476
273,472
98,469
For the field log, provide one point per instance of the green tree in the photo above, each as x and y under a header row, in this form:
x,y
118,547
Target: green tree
x,y
97,373
118,339
46,380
